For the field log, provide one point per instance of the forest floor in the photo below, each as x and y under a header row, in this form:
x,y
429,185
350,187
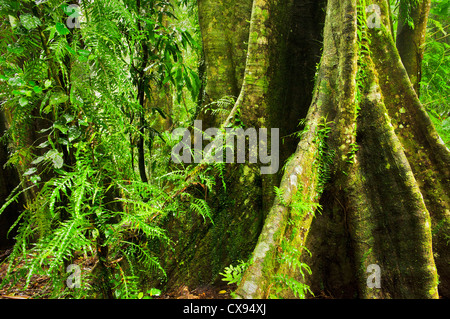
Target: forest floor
x,y
40,288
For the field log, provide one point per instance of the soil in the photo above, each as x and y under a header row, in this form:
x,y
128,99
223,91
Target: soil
x,y
202,292
40,288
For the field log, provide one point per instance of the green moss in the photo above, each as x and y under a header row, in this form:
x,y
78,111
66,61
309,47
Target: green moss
x,y
253,37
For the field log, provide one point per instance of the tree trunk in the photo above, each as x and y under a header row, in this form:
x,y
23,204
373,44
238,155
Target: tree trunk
x,y
363,189
240,209
9,180
225,29
386,191
411,37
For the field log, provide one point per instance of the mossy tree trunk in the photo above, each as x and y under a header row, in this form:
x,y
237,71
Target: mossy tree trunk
x,y
225,28
292,39
368,155
411,32
204,248
384,202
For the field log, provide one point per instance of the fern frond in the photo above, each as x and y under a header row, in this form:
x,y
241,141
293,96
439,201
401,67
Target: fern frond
x,y
145,258
202,208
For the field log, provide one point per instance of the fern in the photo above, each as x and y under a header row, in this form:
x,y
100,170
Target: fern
x,y
279,193
144,258
84,84
201,207
296,287
141,223
233,274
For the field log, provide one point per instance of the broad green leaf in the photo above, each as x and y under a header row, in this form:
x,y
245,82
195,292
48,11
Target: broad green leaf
x,y
35,178
30,171
47,109
23,101
83,55
82,58
73,133
68,117
45,129
29,21
60,127
52,155
58,98
58,161
196,80
61,29
154,292
63,141
37,89
84,52
16,81
72,51
12,21
83,122
187,81
38,160
22,92
47,83
43,144
52,30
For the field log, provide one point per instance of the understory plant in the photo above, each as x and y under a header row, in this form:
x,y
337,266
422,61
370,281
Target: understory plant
x,y
78,85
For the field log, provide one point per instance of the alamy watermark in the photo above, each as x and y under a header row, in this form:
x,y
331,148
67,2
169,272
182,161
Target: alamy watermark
x,y
74,280
374,20
230,145
74,13
374,279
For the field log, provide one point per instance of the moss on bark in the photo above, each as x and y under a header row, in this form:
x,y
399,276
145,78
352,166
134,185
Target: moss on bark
x,y
380,206
373,209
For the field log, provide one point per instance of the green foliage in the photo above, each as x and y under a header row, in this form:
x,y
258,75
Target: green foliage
x,y
127,287
282,282
435,85
405,9
222,106
279,195
291,257
82,88
324,157
301,207
233,274
77,226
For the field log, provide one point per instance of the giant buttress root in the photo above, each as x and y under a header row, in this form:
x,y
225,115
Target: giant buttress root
x,y
376,188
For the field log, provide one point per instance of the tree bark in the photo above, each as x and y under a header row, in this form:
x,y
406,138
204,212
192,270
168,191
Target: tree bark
x,y
427,155
225,29
292,39
365,181
411,38
378,207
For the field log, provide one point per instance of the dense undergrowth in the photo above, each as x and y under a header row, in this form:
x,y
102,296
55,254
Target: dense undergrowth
x,y
435,83
93,91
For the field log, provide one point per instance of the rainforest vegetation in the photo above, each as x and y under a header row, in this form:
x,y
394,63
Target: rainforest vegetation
x,y
103,196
